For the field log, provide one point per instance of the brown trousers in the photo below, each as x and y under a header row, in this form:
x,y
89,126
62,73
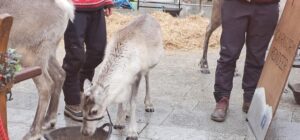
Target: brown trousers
x,y
249,24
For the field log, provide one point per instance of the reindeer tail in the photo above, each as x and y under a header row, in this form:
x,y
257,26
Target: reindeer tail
x,y
66,5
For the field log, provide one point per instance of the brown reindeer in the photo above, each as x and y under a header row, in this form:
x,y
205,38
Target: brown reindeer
x,y
37,29
215,22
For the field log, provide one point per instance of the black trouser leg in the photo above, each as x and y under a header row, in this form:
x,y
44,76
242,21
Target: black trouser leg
x,y
74,58
260,30
88,28
95,46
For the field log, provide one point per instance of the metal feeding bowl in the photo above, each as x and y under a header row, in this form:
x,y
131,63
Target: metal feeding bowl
x,y
73,133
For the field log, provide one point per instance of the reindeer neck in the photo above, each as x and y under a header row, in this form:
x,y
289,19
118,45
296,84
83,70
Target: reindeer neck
x,y
114,62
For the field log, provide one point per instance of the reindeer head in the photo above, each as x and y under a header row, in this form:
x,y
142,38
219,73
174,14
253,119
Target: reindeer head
x,y
93,107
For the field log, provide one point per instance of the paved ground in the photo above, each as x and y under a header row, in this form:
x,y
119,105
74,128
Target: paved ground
x,y
183,102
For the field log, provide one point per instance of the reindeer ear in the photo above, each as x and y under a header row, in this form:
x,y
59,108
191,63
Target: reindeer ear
x,y
87,83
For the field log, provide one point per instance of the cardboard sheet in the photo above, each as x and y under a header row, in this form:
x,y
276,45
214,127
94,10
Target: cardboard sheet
x,y
276,69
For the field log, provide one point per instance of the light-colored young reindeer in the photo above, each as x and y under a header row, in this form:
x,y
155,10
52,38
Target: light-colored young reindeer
x,y
37,29
132,52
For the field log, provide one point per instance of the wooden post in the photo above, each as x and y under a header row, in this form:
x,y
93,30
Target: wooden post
x,y
5,26
3,110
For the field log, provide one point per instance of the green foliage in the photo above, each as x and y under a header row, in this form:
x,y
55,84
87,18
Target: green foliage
x,y
10,66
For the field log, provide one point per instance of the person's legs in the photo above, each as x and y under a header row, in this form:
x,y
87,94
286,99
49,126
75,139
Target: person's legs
x,y
234,23
95,45
74,58
235,16
261,28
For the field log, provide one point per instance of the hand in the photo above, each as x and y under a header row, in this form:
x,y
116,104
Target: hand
x,y
108,11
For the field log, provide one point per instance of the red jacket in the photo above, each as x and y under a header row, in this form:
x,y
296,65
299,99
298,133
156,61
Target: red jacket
x,y
3,135
92,4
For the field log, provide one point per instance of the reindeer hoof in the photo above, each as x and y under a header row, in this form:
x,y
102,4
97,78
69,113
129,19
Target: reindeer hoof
x,y
30,136
204,66
132,138
149,109
119,127
52,125
49,125
236,74
205,71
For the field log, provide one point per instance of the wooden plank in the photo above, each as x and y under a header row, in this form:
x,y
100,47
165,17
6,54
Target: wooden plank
x,y
27,73
281,54
5,27
3,110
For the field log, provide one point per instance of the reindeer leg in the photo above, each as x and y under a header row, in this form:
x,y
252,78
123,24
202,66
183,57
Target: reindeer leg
x,y
42,83
58,76
215,22
203,63
127,107
236,73
148,103
121,115
132,130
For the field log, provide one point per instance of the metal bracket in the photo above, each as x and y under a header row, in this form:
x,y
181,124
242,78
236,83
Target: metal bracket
x,y
9,96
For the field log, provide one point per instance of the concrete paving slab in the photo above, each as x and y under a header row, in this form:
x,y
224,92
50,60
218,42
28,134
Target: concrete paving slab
x,y
235,122
24,96
20,116
180,133
284,131
17,130
296,116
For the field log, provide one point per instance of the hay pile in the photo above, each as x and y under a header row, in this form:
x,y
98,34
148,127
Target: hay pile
x,y
179,33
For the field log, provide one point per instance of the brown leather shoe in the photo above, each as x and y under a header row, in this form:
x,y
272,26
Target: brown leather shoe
x,y
220,111
246,106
